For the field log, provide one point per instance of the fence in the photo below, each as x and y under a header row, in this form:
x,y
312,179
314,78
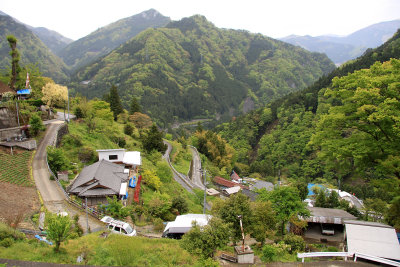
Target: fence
x,y
347,254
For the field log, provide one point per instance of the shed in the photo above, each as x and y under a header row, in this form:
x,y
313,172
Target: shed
x,y
183,224
212,192
231,190
371,238
262,184
330,216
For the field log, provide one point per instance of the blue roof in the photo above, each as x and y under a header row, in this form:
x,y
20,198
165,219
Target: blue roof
x,y
310,186
24,92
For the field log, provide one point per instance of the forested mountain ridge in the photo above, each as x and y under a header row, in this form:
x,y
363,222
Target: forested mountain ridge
x,y
342,128
341,49
52,39
192,69
31,49
105,39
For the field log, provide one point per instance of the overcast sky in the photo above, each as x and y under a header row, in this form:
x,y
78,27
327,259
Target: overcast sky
x,y
274,18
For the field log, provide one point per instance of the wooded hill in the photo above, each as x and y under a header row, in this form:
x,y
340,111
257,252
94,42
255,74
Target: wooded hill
x,y
342,128
106,39
193,69
32,50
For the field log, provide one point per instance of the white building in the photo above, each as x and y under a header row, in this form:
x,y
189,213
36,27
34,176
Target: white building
x,y
129,158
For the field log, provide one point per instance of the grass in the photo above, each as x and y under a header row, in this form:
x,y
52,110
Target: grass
x,y
180,157
115,250
15,168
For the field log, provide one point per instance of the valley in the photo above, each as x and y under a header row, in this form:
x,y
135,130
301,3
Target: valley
x,y
279,149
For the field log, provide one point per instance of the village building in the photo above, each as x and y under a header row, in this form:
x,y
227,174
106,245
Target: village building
x,y
372,239
98,181
131,159
4,88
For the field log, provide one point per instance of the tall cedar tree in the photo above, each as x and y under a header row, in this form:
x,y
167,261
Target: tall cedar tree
x,y
153,140
15,68
135,106
115,102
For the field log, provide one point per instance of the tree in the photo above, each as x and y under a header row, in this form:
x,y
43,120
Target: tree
x,y
15,68
36,124
134,107
128,129
263,219
393,213
229,211
140,120
153,140
287,203
303,190
55,95
58,230
179,203
204,241
115,102
56,158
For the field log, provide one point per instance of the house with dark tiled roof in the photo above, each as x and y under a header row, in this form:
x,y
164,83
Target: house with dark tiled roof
x,y
98,181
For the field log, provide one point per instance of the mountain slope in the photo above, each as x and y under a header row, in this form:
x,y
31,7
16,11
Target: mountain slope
x,y
52,39
105,39
342,49
277,137
193,69
31,49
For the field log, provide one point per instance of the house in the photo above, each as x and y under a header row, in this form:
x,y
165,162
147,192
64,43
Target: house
x,y
212,192
262,184
98,181
372,238
4,88
231,190
235,177
183,224
131,159
224,183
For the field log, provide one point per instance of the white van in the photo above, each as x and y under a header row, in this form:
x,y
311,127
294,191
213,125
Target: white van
x,y
119,227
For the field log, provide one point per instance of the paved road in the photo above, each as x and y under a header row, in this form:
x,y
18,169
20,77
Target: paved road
x,y
52,195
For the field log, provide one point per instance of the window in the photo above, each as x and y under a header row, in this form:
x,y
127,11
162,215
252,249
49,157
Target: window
x,y
112,157
117,229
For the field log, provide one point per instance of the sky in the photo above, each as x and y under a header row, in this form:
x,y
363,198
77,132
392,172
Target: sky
x,y
275,18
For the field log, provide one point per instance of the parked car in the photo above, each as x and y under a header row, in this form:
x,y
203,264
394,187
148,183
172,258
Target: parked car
x,y
119,227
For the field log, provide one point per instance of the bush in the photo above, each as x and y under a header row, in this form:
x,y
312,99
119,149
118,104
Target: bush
x,y
128,129
72,140
268,253
296,242
158,225
36,124
56,159
7,242
87,155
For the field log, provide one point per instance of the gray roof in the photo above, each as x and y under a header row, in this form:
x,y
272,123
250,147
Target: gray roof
x,y
325,215
372,239
99,179
262,184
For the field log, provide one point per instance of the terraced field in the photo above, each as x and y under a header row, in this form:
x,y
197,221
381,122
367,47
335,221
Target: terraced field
x,y
15,168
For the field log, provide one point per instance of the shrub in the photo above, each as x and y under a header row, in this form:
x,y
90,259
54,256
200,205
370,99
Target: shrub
x,y
268,253
56,159
36,124
180,203
296,242
72,139
7,242
158,225
87,154
128,129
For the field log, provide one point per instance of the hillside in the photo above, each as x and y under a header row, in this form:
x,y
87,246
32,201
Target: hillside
x,y
52,39
341,49
319,135
105,39
192,69
31,49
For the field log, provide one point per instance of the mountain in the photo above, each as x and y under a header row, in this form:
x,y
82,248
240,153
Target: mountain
x,y
341,49
52,39
327,132
193,69
32,50
104,40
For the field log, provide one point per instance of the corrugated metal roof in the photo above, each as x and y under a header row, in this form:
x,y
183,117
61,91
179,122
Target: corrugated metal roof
x,y
372,240
325,215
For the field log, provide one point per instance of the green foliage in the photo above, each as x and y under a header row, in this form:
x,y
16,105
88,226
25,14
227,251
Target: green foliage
x,y
179,203
206,240
229,210
19,174
296,243
9,233
152,140
160,205
36,124
151,179
164,172
56,159
263,220
393,214
128,129
274,252
115,208
192,69
87,155
115,102
134,106
286,203
58,229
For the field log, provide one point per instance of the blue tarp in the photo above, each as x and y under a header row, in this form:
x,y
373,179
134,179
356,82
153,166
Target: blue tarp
x,y
24,92
132,182
310,186
44,240
126,196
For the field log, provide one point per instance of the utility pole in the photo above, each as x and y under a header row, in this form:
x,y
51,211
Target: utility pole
x,y
87,216
205,193
68,105
241,228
